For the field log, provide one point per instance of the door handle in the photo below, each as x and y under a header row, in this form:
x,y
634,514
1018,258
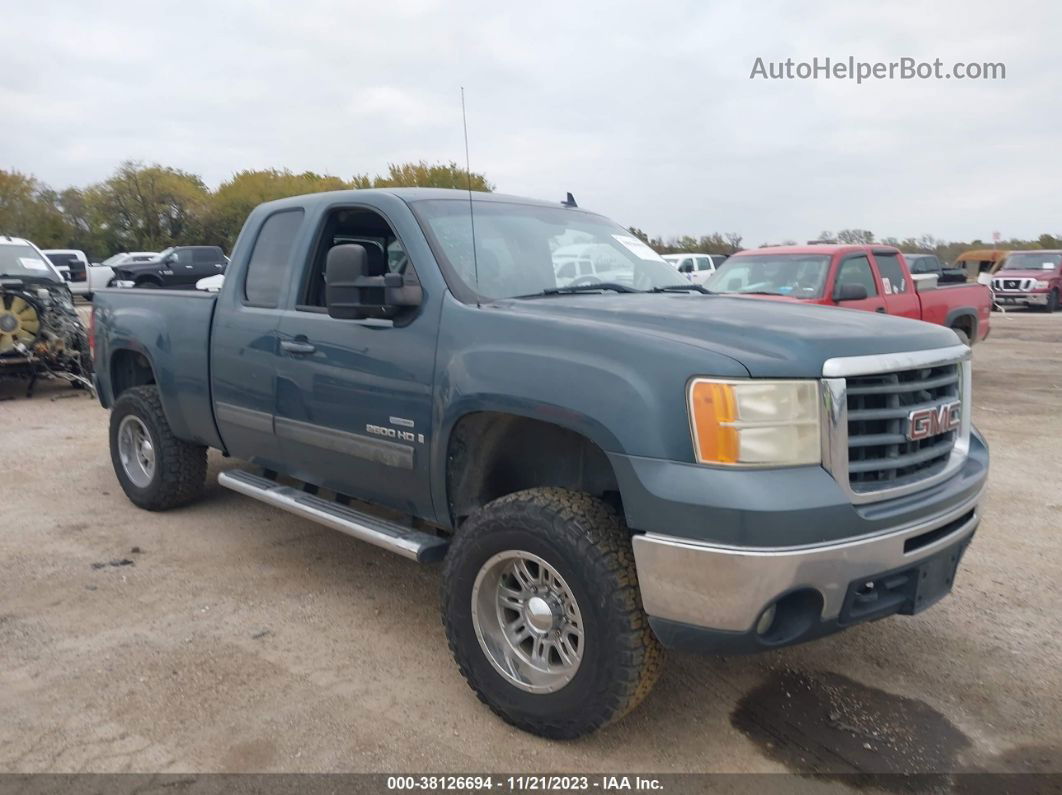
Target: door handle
x,y
880,309
299,348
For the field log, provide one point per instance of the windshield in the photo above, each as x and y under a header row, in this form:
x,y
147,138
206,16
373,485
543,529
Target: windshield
x,y
796,275
1032,261
25,262
523,249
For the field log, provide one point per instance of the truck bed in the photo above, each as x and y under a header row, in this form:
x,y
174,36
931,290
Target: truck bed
x,y
170,330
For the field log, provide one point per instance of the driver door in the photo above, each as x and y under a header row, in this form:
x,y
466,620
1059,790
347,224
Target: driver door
x,y
856,269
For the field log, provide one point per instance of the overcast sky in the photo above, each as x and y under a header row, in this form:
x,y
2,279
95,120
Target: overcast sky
x,y
644,111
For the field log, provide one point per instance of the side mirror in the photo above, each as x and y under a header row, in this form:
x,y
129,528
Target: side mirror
x,y
170,259
849,292
353,293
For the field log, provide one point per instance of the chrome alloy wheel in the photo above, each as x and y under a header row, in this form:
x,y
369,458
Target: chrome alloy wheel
x,y
527,621
136,451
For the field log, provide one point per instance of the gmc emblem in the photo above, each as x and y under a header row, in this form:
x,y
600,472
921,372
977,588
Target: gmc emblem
x,y
923,423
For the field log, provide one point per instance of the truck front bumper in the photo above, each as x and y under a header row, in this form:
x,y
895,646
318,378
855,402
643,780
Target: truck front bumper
x,y
722,599
734,562
1022,299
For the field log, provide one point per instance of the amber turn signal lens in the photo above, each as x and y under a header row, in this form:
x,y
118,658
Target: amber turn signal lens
x,y
713,408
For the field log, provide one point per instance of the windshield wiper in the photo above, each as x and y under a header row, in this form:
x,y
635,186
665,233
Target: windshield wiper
x,y
572,289
682,288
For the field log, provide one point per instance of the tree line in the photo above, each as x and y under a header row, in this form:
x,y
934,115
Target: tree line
x,y
149,207
730,243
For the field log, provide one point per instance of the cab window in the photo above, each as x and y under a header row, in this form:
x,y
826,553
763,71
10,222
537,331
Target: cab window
x,y
892,277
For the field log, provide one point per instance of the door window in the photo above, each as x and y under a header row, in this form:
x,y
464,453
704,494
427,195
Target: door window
x,y
704,263
857,271
270,262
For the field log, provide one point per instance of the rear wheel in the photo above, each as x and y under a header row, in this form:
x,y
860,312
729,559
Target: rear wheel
x,y
156,470
543,614
148,284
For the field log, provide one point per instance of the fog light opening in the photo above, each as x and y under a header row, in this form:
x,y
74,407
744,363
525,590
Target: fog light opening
x,y
763,626
790,617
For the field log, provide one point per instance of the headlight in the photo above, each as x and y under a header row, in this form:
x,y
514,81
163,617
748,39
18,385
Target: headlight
x,y
772,423
1041,285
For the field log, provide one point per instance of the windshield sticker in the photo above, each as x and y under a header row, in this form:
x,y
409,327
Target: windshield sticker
x,y
33,264
638,248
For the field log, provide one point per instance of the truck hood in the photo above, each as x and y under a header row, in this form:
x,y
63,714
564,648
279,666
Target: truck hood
x,y
771,339
1043,275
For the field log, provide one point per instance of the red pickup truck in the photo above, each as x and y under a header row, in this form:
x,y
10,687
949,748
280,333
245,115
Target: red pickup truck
x,y
874,278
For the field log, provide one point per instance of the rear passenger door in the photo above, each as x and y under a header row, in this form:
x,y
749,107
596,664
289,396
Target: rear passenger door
x,y
856,269
897,286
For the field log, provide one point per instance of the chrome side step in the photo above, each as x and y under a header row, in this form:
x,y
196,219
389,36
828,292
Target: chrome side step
x,y
410,543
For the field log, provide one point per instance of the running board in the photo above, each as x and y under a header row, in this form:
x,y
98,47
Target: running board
x,y
407,542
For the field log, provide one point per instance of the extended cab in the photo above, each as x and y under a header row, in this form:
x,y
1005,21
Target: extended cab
x,y
872,278
1029,278
605,469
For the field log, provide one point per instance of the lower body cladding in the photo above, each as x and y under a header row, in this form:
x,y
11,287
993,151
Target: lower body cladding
x,y
726,599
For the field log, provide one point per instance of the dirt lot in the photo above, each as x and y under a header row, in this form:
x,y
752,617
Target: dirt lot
x,y
244,639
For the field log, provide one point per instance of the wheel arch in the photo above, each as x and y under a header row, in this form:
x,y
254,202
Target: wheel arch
x,y
964,319
493,453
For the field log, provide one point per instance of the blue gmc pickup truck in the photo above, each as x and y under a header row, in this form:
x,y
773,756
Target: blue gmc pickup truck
x,y
607,465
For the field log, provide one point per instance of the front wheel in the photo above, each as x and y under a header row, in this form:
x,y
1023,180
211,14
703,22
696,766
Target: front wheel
x,y
1052,302
543,614
156,470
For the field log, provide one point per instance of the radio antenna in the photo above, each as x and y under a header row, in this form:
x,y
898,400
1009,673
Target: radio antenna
x,y
468,176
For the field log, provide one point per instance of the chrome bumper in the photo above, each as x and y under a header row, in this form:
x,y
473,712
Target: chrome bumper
x,y
727,588
1031,299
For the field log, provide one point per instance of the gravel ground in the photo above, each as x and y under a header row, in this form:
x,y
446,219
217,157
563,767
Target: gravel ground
x,y
239,638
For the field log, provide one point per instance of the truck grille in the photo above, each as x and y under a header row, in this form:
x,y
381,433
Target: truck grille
x,y
1012,284
880,456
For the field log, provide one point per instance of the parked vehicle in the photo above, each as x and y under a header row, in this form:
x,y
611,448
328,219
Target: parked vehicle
x,y
83,277
921,264
696,267
445,399
874,278
211,283
69,262
980,264
40,332
176,268
1030,278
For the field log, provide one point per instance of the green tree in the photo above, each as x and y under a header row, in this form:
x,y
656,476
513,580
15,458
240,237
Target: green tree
x,y
427,175
27,210
234,199
858,237
148,207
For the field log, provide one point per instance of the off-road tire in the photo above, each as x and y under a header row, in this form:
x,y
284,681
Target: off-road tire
x,y
588,544
180,467
964,338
